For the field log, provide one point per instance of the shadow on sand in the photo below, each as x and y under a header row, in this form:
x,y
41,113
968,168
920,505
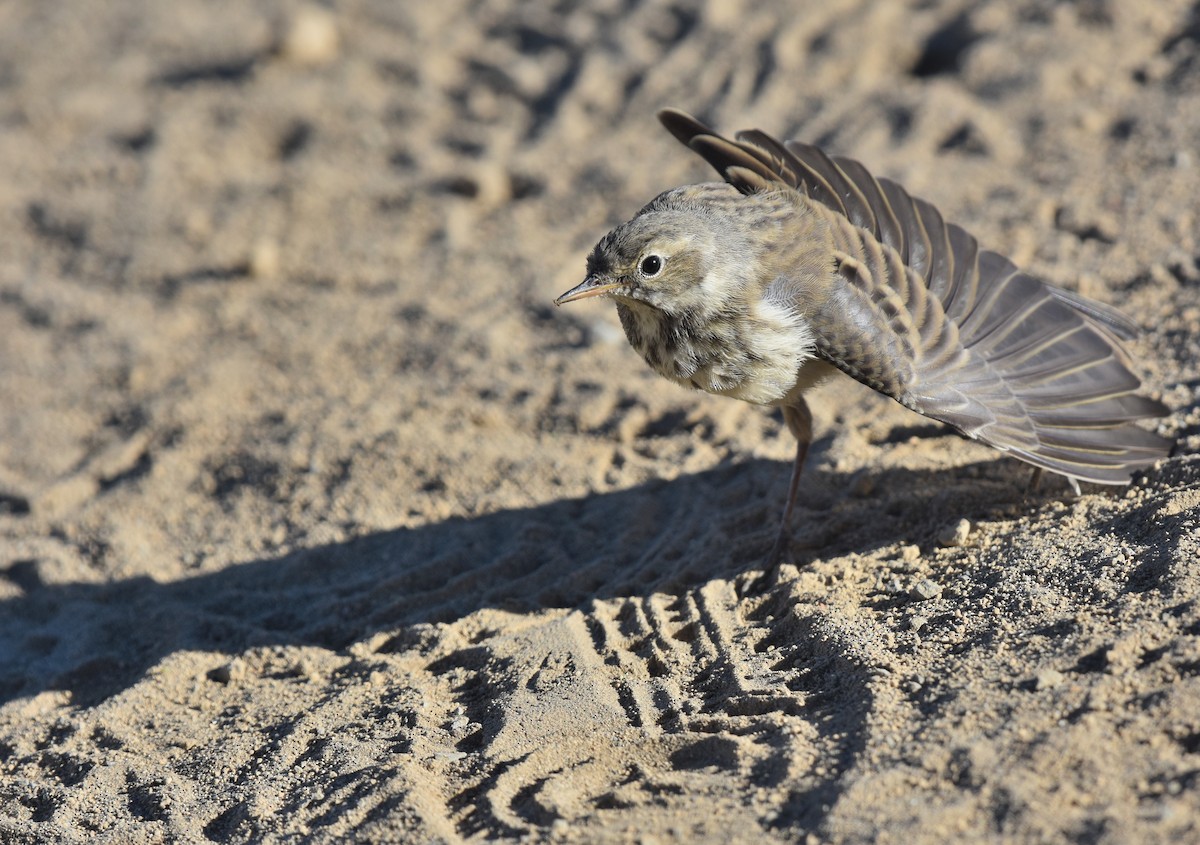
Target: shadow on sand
x,y
95,640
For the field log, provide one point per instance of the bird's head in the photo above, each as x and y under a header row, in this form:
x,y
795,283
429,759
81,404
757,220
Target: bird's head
x,y
678,255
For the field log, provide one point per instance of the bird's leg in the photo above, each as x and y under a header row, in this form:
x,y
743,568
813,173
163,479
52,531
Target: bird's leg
x,y
1037,476
799,420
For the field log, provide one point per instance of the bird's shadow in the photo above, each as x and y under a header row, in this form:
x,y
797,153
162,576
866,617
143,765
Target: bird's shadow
x,y
97,639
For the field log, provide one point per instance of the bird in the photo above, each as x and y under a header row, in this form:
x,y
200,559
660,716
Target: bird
x,y
801,265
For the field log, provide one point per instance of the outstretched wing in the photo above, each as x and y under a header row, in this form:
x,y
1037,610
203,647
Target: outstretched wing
x,y
954,332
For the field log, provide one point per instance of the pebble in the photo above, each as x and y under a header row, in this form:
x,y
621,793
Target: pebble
x,y
66,495
451,756
926,589
302,668
605,332
229,672
311,38
264,259
1047,679
459,724
956,534
862,485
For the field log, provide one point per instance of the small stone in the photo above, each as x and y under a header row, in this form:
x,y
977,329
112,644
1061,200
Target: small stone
x,y
65,496
1047,679
917,622
198,226
450,756
459,724
956,534
862,485
910,553
264,259
302,668
894,586
603,331
311,37
228,673
926,589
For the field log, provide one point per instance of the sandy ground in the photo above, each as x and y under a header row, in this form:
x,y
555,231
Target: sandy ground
x,y
319,522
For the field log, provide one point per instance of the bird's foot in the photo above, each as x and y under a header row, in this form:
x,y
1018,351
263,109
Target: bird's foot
x,y
778,555
778,552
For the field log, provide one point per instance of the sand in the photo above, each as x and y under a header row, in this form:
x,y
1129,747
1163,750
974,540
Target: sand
x,y
318,522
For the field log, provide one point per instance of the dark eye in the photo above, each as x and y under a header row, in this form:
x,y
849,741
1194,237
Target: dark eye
x,y
651,264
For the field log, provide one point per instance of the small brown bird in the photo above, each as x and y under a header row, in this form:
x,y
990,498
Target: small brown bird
x,y
801,265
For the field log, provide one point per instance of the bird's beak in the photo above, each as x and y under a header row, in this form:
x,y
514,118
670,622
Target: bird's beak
x,y
591,286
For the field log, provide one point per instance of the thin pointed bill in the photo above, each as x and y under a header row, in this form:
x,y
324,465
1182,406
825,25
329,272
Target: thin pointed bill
x,y
589,287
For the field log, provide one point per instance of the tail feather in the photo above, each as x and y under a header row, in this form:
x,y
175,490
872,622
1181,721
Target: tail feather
x,y
1114,441
1072,465
1117,412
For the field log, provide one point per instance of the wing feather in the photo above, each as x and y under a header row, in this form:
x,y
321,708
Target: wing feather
x,y
954,332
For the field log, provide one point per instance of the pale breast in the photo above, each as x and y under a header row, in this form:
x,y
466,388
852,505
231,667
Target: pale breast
x,y
757,357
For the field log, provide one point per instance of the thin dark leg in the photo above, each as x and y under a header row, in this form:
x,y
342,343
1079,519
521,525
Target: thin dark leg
x,y
1037,476
799,420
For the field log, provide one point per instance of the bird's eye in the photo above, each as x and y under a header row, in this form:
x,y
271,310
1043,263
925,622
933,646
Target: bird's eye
x,y
651,265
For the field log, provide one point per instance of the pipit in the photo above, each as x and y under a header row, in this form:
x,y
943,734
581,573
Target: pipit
x,y
801,265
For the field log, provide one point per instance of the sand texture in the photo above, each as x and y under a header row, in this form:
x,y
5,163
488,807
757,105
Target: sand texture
x,y
318,521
